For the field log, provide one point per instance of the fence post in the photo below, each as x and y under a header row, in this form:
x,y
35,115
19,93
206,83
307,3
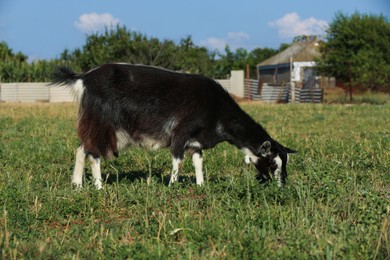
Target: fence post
x,y
237,81
248,81
292,83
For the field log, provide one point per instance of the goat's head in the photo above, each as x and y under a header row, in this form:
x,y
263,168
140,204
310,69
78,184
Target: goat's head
x,y
271,158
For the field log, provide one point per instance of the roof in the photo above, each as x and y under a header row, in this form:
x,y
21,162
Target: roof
x,y
300,51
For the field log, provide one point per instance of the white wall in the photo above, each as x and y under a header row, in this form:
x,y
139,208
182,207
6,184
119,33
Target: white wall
x,y
297,66
34,92
235,84
43,92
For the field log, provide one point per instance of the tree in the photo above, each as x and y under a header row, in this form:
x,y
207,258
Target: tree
x,y
305,38
357,51
7,54
118,44
258,55
193,59
121,45
13,66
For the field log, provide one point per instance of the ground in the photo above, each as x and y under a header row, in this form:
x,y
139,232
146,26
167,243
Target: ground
x,y
335,203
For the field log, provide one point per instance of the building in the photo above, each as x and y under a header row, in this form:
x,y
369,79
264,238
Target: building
x,y
294,64
290,75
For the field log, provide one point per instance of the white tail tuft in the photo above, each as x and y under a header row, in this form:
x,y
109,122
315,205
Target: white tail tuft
x,y
78,89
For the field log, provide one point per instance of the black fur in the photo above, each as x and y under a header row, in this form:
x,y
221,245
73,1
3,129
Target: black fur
x,y
142,100
63,75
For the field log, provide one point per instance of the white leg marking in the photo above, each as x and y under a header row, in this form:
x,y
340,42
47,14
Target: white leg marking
x,y
247,159
193,144
278,171
77,178
97,176
175,170
197,161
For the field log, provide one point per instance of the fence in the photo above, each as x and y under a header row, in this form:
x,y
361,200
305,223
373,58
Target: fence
x,y
253,89
282,94
315,95
226,84
34,92
42,92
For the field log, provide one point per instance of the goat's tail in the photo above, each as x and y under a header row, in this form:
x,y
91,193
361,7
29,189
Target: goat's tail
x,y
66,76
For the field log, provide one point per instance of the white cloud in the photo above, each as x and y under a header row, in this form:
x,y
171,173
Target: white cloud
x,y
214,43
238,36
93,22
292,25
233,39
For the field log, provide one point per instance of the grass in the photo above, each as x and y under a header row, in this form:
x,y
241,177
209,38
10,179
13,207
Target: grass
x,y
339,96
335,204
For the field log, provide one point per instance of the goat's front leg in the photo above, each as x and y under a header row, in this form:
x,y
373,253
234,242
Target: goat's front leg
x,y
77,177
197,161
175,170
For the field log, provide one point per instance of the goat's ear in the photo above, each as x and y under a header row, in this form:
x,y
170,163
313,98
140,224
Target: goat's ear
x,y
288,150
265,149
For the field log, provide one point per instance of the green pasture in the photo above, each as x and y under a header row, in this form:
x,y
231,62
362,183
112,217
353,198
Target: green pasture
x,y
336,203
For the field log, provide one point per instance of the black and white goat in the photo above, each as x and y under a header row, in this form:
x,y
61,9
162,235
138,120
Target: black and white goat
x,y
124,104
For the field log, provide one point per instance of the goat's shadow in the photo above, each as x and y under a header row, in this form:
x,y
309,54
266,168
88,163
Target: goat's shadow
x,y
158,176
132,176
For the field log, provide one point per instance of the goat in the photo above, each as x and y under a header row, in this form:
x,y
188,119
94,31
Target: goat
x,y
123,104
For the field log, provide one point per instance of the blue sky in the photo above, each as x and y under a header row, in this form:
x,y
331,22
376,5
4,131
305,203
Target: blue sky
x,y
44,28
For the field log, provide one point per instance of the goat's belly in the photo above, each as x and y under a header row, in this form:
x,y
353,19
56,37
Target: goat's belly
x,y
151,144
124,139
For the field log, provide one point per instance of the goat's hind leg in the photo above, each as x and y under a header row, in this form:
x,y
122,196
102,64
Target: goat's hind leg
x,y
77,177
78,172
96,172
177,151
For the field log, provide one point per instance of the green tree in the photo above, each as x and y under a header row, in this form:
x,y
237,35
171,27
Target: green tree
x,y
239,59
12,65
357,51
305,38
223,64
118,44
193,59
258,55
7,54
122,45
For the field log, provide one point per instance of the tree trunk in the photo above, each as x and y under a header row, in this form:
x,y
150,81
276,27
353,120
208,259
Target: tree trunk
x,y
350,81
350,93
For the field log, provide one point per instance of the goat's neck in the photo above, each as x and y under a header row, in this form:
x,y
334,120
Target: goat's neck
x,y
243,132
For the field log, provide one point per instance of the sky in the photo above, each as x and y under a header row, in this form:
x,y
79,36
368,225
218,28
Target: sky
x,y
43,29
